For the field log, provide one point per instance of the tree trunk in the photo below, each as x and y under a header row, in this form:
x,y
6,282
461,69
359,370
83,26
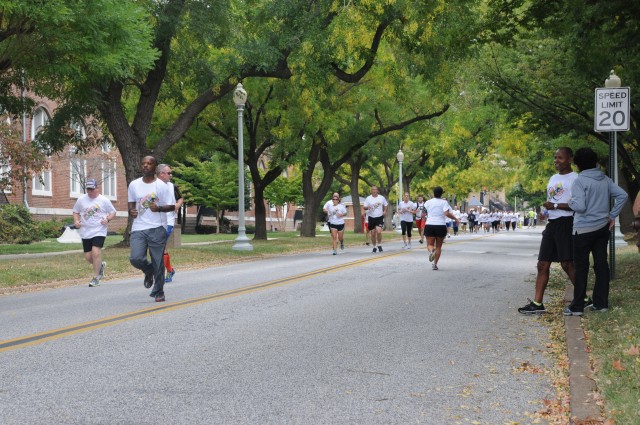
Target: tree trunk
x,y
356,166
308,227
260,213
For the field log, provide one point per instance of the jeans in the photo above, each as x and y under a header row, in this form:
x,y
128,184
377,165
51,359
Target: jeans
x,y
594,243
154,241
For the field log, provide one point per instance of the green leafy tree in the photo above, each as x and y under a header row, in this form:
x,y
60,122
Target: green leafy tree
x,y
544,61
211,183
284,193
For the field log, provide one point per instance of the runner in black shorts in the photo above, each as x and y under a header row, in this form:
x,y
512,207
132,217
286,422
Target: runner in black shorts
x,y
376,207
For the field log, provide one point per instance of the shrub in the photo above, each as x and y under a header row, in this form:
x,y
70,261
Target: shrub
x,y
50,229
17,225
205,230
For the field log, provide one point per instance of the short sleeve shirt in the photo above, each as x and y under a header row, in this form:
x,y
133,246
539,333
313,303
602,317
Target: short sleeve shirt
x,y
405,208
436,207
92,211
143,194
559,192
375,205
335,212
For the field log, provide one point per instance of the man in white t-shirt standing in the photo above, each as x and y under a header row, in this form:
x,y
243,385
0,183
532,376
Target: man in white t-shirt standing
x,y
556,244
376,207
149,197
91,214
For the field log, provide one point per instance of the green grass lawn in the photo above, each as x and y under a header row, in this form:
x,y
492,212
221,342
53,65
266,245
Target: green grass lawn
x,y
71,268
614,339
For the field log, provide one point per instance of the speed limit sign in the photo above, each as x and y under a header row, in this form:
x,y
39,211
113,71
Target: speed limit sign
x,y
612,109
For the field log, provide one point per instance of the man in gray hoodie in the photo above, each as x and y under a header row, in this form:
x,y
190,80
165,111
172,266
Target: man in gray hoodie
x,y
591,196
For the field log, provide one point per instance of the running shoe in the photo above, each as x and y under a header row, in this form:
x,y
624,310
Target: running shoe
x,y
599,309
380,248
420,241
588,302
404,246
159,298
169,277
569,312
101,272
432,255
375,249
434,266
148,280
409,246
334,252
94,282
342,245
532,308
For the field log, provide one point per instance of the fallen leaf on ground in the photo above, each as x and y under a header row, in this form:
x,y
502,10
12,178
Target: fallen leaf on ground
x,y
617,365
633,351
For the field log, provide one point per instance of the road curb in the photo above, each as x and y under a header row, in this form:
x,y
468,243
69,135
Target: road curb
x,y
582,387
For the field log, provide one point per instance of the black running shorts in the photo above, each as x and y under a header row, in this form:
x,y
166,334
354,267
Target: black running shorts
x,y
556,245
435,231
88,244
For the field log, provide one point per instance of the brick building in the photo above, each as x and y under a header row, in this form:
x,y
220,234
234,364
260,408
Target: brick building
x,y
53,192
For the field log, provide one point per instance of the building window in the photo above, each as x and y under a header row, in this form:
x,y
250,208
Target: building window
x,y
42,182
109,184
78,171
5,169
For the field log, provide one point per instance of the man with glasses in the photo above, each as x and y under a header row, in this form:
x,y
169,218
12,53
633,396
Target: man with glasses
x,y
91,214
164,174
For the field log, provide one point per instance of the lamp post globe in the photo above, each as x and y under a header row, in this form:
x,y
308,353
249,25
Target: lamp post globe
x,y
613,81
242,242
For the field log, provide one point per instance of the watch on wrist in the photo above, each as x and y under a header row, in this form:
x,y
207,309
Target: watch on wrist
x,y
555,206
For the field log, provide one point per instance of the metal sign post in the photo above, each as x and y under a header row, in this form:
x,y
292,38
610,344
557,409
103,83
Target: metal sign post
x,y
612,114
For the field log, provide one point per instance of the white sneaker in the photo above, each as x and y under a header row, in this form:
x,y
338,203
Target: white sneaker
x,y
94,282
432,255
409,246
101,272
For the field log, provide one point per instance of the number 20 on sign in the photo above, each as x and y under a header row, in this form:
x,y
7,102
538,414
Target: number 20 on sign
x,y
612,109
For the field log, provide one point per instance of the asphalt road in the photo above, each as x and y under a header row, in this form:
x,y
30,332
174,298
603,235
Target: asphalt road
x,y
357,338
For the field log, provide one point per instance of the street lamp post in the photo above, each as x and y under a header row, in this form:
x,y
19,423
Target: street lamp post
x,y
400,158
242,242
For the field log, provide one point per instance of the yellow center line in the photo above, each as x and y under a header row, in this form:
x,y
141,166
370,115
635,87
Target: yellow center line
x,y
54,334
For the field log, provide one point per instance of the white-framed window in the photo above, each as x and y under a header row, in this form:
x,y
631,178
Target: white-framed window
x,y
81,133
39,120
42,182
109,182
5,169
78,175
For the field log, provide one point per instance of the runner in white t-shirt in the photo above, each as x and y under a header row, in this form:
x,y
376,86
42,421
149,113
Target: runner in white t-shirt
x,y
421,217
436,229
336,212
149,197
376,207
164,173
406,209
91,214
